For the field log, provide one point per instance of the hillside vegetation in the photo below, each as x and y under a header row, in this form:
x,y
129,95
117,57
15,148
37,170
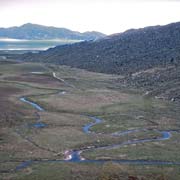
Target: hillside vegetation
x,y
148,58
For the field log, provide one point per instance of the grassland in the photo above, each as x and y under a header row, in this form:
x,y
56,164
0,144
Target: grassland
x,y
87,93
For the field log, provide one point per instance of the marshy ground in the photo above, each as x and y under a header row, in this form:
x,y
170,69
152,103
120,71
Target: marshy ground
x,y
91,94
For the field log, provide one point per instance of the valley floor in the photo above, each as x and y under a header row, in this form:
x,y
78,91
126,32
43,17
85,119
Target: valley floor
x,y
36,143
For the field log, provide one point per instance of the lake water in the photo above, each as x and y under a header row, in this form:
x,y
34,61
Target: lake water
x,y
15,44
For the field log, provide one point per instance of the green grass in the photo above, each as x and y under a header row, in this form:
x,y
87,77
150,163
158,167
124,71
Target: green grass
x,y
66,171
22,68
93,94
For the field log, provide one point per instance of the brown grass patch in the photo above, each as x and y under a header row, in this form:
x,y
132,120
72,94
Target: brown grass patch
x,y
11,113
15,147
33,78
84,101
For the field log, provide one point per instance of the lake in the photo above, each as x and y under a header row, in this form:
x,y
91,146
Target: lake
x,y
16,44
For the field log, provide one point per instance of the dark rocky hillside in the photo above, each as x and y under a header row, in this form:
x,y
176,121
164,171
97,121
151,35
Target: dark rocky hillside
x,y
38,32
123,53
149,58
160,82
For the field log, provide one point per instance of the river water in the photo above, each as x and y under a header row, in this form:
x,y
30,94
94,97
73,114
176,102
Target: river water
x,y
75,155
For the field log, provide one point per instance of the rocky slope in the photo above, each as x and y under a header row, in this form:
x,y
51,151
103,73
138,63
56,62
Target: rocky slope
x,y
149,58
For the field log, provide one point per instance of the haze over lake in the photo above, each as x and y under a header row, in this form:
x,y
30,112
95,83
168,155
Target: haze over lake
x,y
16,44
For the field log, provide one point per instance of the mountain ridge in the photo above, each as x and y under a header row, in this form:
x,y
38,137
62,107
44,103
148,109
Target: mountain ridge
x,y
31,31
148,58
119,50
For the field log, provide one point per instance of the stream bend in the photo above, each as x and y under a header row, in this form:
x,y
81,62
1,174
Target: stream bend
x,y
75,155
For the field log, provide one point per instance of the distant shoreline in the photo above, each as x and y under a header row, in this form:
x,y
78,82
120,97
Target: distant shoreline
x,y
38,40
32,45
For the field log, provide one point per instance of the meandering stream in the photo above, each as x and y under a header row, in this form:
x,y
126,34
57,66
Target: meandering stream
x,y
75,155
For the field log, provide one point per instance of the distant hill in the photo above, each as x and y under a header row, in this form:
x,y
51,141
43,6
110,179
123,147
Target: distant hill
x,y
38,32
149,58
123,53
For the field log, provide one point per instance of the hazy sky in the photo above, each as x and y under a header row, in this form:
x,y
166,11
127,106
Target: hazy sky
x,y
108,16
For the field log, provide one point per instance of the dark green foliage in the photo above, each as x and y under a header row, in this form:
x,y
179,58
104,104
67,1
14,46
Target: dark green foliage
x,y
130,53
163,83
124,53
